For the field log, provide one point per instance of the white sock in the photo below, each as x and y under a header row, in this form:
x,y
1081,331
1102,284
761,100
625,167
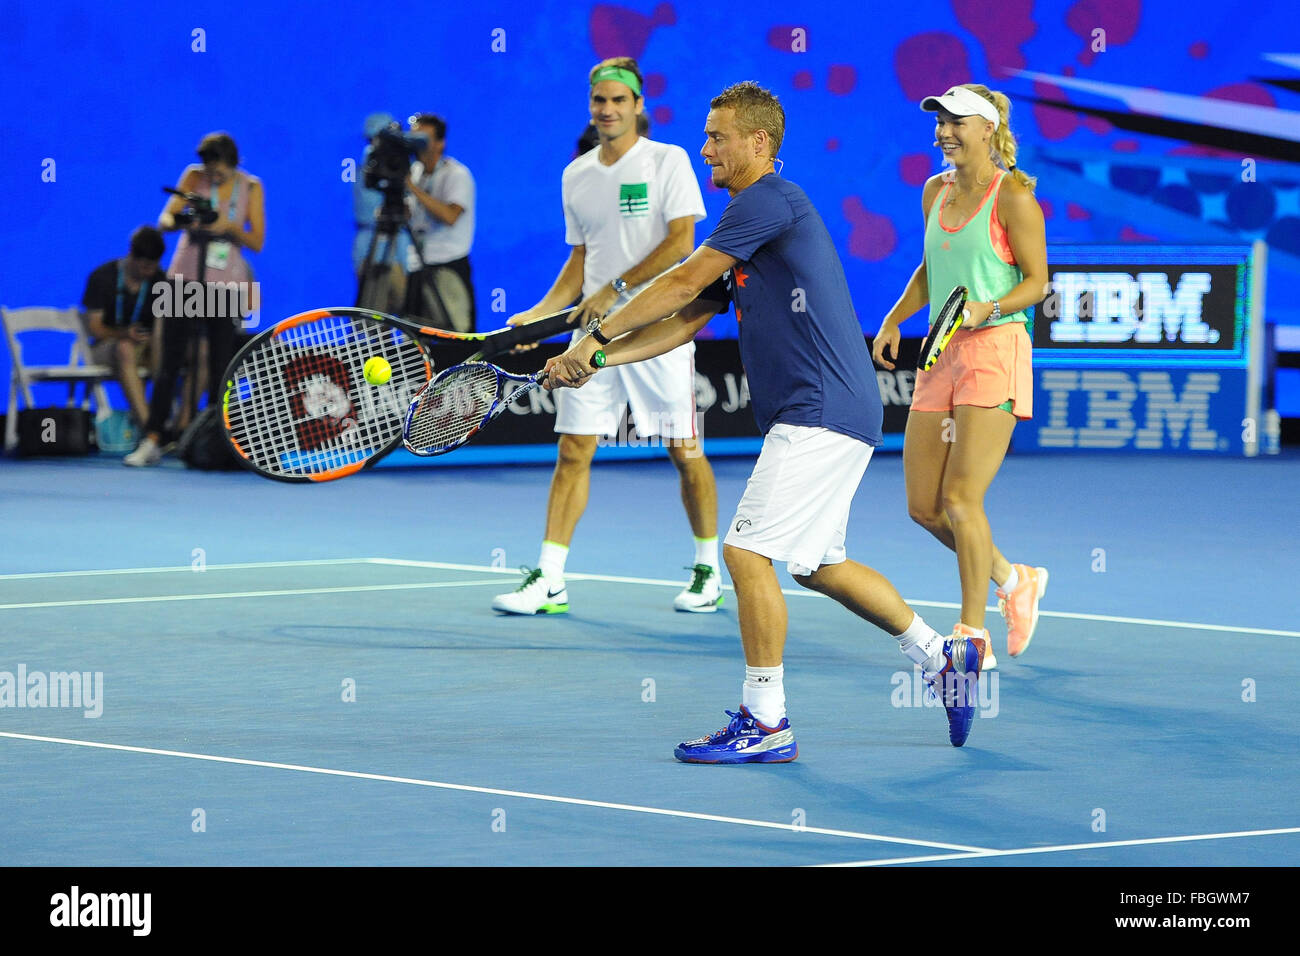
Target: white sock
x,y
552,561
706,551
1009,585
922,644
764,693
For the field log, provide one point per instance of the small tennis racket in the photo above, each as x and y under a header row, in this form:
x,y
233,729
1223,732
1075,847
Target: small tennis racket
x,y
948,321
452,409
297,406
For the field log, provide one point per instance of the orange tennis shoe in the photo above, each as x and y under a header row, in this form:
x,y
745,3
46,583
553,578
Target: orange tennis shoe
x,y
1020,607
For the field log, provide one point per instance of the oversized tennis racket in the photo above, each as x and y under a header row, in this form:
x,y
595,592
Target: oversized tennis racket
x,y
452,408
948,321
297,406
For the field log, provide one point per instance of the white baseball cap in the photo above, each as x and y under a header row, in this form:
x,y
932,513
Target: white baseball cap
x,y
960,101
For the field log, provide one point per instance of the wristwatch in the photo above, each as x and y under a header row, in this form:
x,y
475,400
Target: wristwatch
x,y
620,286
593,329
997,311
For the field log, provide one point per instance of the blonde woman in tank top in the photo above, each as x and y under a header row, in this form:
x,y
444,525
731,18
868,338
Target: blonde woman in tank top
x,y
983,230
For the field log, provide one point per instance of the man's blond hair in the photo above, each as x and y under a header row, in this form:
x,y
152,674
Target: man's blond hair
x,y
755,108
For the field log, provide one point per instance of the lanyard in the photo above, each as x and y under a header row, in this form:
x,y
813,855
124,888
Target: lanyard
x,y
214,194
121,295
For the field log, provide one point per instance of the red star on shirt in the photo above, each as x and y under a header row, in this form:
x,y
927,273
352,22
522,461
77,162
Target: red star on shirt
x,y
740,278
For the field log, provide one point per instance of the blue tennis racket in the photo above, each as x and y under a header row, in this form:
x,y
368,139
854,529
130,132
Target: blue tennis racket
x,y
459,401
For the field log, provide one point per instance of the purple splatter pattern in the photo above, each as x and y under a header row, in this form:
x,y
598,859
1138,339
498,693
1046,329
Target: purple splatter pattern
x,y
1076,213
1129,234
1048,209
929,63
803,80
872,237
1119,18
1000,35
1199,50
662,115
1125,146
655,84
1095,124
842,80
783,37
833,145
914,168
1254,93
617,31
1053,123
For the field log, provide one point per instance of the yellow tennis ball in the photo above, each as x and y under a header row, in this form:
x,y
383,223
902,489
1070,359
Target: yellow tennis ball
x,y
377,370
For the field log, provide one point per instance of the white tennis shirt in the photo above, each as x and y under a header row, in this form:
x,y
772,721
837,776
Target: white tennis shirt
x,y
451,182
621,212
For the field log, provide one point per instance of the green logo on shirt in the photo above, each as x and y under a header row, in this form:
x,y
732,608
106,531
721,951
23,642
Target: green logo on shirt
x,y
634,200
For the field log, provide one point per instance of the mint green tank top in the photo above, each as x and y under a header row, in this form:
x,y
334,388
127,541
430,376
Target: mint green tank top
x,y
966,256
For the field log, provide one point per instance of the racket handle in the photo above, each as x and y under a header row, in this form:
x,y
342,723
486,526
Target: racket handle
x,y
543,328
597,362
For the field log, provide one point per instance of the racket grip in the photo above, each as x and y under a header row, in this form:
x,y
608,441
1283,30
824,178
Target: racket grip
x,y
532,332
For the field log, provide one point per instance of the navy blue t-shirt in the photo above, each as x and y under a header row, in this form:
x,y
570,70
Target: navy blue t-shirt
x,y
804,352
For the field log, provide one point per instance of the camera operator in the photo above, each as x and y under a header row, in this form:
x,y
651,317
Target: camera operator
x,y
387,271
118,303
442,218
211,248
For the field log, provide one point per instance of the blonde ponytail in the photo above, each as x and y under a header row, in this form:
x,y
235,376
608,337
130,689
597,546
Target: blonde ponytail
x,y
1004,141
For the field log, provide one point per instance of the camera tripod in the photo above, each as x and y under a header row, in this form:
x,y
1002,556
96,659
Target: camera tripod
x,y
375,280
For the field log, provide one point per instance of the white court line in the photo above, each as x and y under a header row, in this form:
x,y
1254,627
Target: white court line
x,y
186,567
227,595
521,794
1069,847
615,579
800,592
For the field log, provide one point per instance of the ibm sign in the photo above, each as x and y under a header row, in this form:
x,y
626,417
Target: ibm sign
x,y
1148,410
1148,309
1148,348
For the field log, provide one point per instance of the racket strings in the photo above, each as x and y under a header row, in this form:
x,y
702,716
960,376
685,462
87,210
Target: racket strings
x,y
453,407
299,404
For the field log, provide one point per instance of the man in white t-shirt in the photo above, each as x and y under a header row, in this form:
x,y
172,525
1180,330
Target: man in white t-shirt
x,y
442,218
630,208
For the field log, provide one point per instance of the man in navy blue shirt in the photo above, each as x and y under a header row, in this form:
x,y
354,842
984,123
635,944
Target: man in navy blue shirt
x,y
815,397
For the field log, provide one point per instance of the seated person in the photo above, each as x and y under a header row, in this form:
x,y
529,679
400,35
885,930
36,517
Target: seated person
x,y
118,301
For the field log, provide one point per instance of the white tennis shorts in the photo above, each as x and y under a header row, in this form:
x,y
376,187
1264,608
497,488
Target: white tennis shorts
x,y
796,503
660,391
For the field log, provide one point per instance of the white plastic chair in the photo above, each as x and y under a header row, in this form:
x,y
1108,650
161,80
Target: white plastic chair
x,y
77,369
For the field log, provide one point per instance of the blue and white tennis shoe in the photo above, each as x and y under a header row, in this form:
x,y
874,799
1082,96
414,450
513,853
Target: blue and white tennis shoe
x,y
744,740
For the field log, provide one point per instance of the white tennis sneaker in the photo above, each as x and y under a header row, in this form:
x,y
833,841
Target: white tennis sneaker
x,y
704,594
536,595
146,453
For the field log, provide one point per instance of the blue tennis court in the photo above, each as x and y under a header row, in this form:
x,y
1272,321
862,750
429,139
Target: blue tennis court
x,y
272,674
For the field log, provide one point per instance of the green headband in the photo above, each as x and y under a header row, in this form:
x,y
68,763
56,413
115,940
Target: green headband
x,y
626,77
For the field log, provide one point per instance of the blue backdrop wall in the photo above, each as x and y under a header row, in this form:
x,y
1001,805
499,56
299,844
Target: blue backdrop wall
x,y
104,103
